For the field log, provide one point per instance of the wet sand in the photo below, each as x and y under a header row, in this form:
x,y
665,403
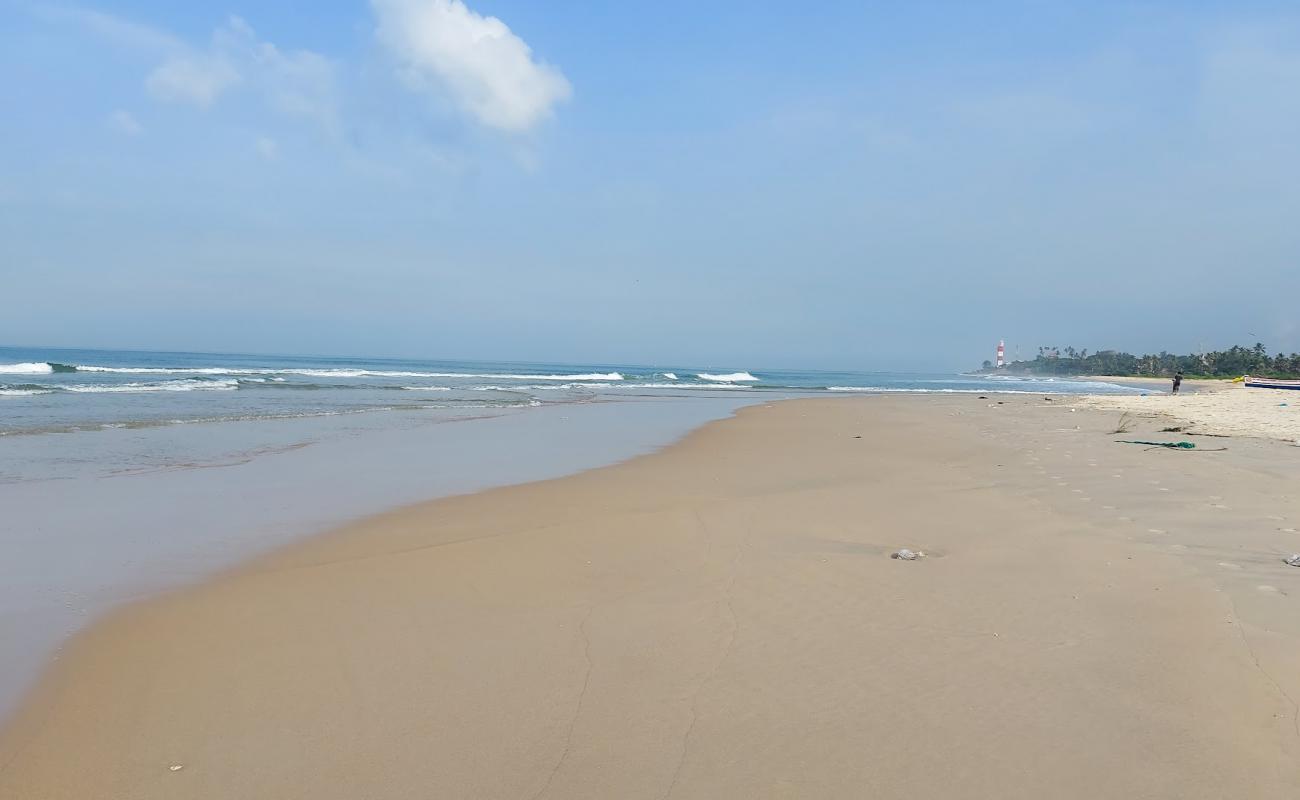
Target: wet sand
x,y
96,519
722,619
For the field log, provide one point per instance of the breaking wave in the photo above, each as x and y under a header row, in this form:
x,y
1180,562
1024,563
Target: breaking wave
x,y
27,368
731,377
20,391
162,386
683,386
913,390
332,373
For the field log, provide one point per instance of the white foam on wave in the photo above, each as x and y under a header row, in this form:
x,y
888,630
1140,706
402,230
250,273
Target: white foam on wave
x,y
517,388
342,373
1058,384
508,389
167,370
23,392
521,388
311,373
594,376
427,388
683,386
334,373
27,368
672,376
164,386
912,390
731,377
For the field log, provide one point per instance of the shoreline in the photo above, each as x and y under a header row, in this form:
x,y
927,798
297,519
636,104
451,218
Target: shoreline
x,y
248,498
1189,385
680,561
251,485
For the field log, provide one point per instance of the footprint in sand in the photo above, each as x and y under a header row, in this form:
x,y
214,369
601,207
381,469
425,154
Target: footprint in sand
x,y
1125,519
1217,505
1264,587
1156,530
1229,565
1077,491
1163,489
1109,508
1287,530
1117,476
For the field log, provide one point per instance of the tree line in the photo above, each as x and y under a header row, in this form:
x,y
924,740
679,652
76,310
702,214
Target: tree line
x,y
1230,363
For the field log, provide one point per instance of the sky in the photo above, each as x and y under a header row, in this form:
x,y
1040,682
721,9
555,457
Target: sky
x,y
855,185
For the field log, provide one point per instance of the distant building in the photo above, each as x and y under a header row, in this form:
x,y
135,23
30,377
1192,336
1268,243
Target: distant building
x,y
1002,355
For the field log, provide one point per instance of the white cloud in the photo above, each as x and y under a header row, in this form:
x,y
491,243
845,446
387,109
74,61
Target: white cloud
x,y
123,122
195,79
267,148
485,68
292,82
471,63
121,32
296,83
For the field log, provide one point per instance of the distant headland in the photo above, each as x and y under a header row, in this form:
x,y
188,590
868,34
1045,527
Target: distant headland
x,y
1230,363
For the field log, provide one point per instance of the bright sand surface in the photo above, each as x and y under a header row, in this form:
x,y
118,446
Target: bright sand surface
x,y
1220,407
721,619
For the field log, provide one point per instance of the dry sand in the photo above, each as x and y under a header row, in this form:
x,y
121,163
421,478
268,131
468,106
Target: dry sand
x,y
722,620
1218,407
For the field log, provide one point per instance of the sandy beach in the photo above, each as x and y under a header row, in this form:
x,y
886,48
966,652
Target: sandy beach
x,y
1215,407
722,619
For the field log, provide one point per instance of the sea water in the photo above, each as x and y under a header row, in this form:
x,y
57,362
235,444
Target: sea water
x,y
60,391
123,474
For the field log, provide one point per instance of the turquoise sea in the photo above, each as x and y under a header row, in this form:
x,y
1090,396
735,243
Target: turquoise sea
x,y
45,390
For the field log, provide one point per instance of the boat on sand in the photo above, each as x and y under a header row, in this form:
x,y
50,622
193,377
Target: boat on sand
x,y
1270,383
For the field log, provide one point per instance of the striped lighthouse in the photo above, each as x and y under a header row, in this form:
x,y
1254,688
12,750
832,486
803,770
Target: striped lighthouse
x,y
1002,354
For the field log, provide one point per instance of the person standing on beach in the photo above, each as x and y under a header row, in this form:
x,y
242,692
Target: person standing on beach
x,y
1178,380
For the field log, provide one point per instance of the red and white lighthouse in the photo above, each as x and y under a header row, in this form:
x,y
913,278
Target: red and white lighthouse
x,y
1002,354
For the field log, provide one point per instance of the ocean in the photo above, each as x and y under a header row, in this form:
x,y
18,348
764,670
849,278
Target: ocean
x,y
124,474
45,390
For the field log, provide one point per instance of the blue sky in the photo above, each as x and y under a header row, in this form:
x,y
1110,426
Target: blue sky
x,y
857,185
